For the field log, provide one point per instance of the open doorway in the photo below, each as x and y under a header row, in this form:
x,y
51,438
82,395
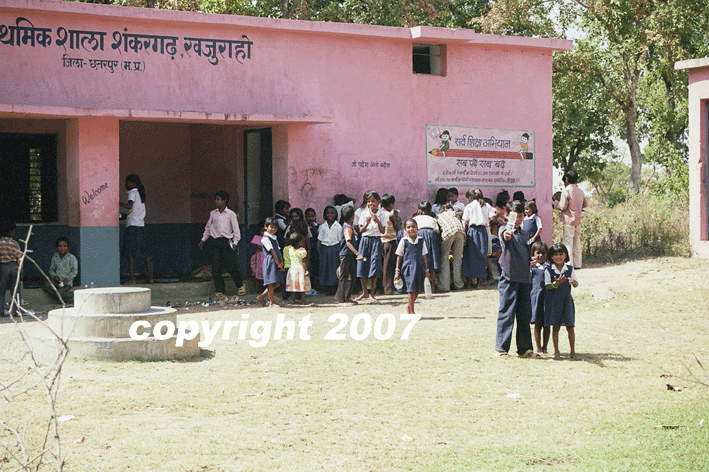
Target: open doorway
x,y
258,180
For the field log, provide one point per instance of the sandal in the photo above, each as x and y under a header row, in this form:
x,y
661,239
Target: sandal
x,y
530,354
501,354
242,291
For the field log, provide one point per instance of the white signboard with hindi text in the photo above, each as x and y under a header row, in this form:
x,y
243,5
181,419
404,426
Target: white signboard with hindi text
x,y
479,157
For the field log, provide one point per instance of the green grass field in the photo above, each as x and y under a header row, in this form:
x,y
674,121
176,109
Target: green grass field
x,y
438,401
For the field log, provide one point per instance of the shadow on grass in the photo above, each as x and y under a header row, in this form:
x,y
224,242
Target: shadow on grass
x,y
600,358
438,318
204,355
23,319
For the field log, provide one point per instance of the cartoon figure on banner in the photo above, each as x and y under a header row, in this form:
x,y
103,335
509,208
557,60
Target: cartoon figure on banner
x,y
524,148
445,138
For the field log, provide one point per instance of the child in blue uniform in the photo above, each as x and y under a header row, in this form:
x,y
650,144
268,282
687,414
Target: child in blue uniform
x,y
314,255
329,237
559,309
429,231
539,265
272,262
532,223
411,264
371,228
347,272
514,287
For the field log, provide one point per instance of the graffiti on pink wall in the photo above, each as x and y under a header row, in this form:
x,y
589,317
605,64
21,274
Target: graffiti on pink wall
x,y
93,194
479,157
25,34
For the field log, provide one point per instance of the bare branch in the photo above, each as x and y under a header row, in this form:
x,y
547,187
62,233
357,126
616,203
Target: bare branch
x,y
47,378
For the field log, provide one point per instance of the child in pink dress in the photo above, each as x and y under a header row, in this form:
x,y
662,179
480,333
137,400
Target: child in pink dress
x,y
257,257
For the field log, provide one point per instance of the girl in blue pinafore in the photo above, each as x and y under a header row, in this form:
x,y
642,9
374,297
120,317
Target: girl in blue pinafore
x,y
541,333
411,265
429,230
475,217
371,229
532,223
347,272
559,308
329,237
272,262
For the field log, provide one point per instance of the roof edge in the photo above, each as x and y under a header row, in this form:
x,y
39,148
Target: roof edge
x,y
426,33
35,111
692,63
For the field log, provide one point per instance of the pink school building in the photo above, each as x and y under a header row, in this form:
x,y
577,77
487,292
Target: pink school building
x,y
698,153
265,109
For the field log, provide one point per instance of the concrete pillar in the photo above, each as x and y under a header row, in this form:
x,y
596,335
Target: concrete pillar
x,y
93,190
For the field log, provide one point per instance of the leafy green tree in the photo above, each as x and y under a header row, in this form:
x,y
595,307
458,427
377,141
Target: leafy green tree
x,y
609,178
632,46
519,18
635,38
582,115
442,13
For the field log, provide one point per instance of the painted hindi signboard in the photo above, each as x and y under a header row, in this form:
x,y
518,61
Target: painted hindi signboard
x,y
479,157
132,46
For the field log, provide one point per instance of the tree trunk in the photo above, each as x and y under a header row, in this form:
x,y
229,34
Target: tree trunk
x,y
632,78
636,156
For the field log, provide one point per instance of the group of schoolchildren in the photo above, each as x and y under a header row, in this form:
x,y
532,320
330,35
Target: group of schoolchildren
x,y
371,243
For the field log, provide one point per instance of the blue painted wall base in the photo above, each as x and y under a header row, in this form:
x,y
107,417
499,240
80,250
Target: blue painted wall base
x,y
99,256
173,249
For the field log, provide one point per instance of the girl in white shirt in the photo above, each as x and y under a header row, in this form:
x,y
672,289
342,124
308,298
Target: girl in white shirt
x,y
329,235
135,241
475,219
371,228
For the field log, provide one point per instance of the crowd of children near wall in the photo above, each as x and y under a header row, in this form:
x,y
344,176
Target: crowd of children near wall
x,y
372,244
372,250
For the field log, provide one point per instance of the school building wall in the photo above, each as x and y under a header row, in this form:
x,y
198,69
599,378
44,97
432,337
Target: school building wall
x,y
334,96
698,153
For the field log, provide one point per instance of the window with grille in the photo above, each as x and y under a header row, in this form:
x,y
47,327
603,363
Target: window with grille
x,y
28,177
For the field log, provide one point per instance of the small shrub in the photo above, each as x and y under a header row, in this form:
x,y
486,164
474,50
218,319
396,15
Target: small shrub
x,y
645,226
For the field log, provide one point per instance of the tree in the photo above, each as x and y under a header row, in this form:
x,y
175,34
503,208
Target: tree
x,y
442,13
519,18
582,116
635,38
632,46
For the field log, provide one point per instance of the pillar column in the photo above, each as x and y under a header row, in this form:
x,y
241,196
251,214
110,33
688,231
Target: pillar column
x,y
93,190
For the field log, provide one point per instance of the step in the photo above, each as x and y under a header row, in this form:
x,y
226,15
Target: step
x,y
71,321
113,299
115,349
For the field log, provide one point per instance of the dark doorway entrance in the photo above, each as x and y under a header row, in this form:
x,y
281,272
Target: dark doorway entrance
x,y
258,177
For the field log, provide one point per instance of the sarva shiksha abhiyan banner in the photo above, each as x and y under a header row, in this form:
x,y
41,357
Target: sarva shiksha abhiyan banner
x,y
479,157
